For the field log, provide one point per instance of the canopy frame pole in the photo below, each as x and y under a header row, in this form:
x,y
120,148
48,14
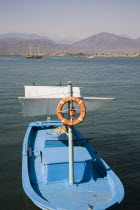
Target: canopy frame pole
x,y
71,152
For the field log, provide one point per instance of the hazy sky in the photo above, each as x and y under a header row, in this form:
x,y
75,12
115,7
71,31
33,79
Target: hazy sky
x,y
70,19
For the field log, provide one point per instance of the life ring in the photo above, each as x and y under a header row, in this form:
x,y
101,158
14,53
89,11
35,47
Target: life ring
x,y
81,106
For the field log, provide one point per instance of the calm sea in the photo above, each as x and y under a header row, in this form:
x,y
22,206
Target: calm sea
x,y
115,129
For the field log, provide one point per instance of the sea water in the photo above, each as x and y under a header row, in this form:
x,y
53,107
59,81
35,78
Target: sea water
x,y
115,129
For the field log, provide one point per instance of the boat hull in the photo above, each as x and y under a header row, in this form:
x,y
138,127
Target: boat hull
x,y
45,172
34,56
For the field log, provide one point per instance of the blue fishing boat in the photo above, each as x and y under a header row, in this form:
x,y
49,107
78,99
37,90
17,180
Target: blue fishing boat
x,y
60,168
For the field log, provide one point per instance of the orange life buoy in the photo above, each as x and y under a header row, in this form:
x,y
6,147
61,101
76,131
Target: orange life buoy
x,y
81,106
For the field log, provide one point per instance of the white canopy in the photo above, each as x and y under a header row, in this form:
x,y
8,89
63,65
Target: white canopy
x,y
43,100
49,91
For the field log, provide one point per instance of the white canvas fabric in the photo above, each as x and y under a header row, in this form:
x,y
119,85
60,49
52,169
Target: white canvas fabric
x,y
49,91
43,100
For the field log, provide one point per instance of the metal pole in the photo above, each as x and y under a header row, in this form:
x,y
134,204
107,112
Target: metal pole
x,y
71,154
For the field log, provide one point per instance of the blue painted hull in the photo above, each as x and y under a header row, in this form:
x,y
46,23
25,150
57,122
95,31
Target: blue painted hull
x,y
45,172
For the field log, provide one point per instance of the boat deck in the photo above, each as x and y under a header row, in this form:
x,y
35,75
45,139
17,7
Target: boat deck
x,y
76,196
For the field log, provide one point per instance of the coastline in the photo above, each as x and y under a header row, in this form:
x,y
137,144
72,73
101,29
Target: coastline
x,y
92,55
98,55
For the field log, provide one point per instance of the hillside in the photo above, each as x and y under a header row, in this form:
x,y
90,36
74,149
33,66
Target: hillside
x,y
22,46
100,43
107,42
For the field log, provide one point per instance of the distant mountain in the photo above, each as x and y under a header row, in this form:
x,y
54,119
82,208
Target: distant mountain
x,y
125,35
138,39
63,41
22,46
19,43
24,36
107,42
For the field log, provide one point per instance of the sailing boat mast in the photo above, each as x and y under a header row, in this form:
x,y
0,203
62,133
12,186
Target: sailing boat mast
x,y
38,49
30,49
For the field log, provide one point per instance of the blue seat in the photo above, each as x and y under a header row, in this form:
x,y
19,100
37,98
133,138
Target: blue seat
x,y
56,164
